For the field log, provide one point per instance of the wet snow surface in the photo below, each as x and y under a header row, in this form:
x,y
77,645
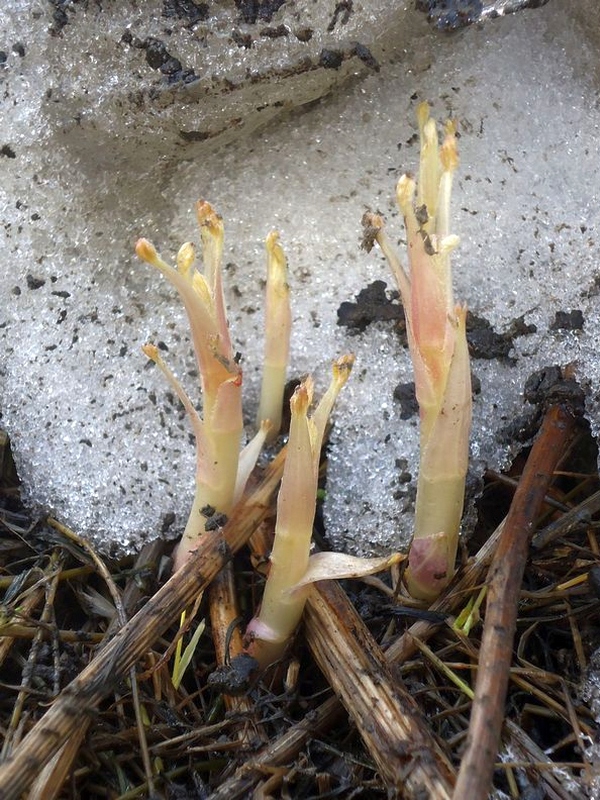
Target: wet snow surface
x,y
88,164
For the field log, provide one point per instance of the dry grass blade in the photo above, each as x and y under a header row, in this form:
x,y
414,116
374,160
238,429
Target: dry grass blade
x,y
393,728
531,753
574,518
49,782
14,732
314,746
80,698
279,752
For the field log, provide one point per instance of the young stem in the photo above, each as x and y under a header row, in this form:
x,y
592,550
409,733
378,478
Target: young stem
x,y
282,605
278,325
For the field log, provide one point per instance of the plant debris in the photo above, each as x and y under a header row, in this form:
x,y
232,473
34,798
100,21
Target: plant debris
x,y
294,737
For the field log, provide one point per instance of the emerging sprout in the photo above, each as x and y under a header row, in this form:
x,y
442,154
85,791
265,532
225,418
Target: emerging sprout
x,y
292,567
438,349
221,471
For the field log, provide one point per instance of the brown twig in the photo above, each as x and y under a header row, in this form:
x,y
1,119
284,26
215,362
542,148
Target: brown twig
x,y
227,638
390,723
504,582
15,630
80,698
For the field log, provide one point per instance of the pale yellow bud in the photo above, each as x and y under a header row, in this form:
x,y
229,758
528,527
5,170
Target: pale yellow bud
x,y
208,218
151,350
449,150
302,398
146,251
405,193
342,369
185,258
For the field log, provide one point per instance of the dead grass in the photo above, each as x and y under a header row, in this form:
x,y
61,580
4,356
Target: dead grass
x,y
88,708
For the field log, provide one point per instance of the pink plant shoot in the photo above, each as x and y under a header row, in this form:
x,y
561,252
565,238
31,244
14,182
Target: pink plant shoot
x,y
292,567
438,348
221,470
